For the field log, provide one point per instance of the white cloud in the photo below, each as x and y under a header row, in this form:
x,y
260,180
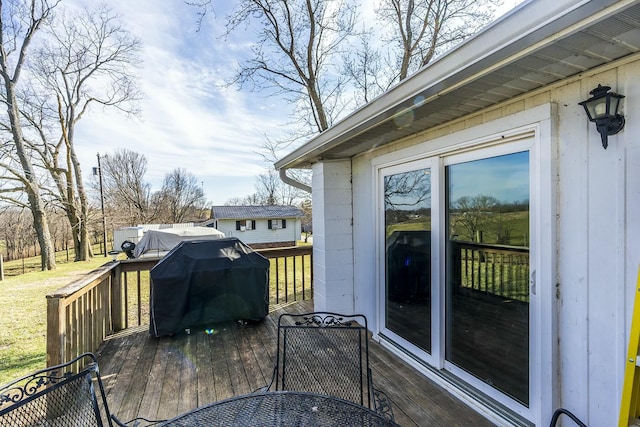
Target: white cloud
x,y
189,119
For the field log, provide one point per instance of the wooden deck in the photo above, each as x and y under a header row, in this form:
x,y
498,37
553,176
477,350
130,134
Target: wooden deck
x,y
158,378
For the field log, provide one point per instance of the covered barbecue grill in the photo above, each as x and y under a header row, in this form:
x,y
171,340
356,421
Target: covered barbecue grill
x,y
207,281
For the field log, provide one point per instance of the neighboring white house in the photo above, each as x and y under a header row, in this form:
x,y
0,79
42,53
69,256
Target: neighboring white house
x,y
259,226
472,213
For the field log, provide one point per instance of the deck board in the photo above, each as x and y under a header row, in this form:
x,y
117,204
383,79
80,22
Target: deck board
x,y
204,370
159,378
188,376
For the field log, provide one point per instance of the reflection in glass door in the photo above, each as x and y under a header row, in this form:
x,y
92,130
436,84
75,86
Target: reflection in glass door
x,y
407,217
487,277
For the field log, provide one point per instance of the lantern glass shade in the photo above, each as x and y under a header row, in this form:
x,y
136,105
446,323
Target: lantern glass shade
x,y
613,101
603,104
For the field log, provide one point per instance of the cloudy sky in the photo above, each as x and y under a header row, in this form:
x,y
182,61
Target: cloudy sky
x,y
189,120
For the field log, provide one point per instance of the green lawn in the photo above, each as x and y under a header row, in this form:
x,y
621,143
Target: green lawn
x,y
24,315
32,264
23,308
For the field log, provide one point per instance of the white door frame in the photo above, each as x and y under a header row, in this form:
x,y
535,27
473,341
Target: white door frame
x,y
533,128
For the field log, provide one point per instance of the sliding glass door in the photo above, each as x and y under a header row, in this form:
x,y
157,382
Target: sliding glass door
x,y
487,278
407,224
456,266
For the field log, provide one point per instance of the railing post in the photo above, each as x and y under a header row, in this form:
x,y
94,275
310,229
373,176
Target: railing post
x,y
55,331
82,313
456,265
1,269
117,316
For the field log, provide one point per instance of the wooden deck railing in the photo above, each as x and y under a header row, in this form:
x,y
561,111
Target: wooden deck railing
x,y
497,270
116,296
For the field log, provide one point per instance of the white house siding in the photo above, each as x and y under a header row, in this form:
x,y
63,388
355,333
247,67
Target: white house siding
x,y
333,237
262,233
589,244
598,250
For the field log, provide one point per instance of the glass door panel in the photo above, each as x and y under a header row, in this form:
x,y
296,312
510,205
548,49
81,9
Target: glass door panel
x,y
487,277
407,218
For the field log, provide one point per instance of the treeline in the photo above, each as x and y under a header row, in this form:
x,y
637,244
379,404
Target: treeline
x,y
18,239
56,62
129,200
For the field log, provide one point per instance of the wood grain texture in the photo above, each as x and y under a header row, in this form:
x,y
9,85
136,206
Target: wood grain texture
x,y
159,378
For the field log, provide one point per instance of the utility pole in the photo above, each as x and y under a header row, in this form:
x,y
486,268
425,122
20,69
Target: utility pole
x,y
104,217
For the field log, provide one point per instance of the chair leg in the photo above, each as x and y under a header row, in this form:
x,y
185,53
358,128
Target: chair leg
x,y
382,404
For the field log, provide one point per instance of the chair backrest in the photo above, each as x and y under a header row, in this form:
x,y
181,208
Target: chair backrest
x,y
62,395
325,353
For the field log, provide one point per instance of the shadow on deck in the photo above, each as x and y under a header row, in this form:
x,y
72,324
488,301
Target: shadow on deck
x,y
159,378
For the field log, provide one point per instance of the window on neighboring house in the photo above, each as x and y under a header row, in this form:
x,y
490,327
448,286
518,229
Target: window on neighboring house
x,y
274,224
248,224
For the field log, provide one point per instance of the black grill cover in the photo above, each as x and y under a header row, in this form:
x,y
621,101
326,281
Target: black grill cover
x,y
409,265
206,281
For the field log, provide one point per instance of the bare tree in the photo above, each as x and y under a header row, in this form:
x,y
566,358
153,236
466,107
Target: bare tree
x,y
126,192
250,200
181,197
60,229
20,21
267,186
301,50
473,214
271,190
417,31
307,224
17,231
297,52
87,59
365,65
408,190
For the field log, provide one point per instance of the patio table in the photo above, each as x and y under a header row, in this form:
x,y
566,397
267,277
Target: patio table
x,y
281,408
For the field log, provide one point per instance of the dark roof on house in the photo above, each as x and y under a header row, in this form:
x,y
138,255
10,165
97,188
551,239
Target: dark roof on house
x,y
250,212
537,44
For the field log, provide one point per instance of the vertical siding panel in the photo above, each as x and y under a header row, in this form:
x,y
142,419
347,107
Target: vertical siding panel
x,y
629,225
603,213
573,233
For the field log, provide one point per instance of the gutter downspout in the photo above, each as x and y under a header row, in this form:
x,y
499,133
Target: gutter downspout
x,y
288,180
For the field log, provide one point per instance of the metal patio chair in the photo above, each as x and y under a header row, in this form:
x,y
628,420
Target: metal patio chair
x,y
59,396
327,353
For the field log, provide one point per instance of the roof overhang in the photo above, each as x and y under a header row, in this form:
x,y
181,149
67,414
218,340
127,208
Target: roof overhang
x,y
537,44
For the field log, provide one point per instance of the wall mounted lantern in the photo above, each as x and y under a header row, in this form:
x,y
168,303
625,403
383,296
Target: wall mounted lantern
x,y
602,109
